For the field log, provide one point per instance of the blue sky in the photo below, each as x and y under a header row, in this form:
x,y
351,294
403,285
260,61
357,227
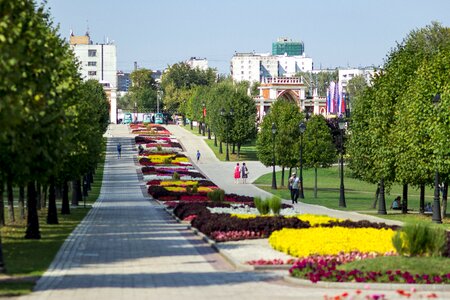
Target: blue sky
x,y
336,33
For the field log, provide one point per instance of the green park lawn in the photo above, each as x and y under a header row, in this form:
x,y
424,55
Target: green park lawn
x,y
359,195
26,260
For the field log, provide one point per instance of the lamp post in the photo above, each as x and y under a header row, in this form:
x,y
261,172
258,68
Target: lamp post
x,y
227,117
203,115
135,112
436,201
341,123
302,128
274,178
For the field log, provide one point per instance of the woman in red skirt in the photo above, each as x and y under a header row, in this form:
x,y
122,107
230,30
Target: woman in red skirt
x,y
237,173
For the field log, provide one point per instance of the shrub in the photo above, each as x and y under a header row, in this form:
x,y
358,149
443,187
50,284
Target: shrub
x,y
158,148
189,189
195,188
420,239
261,205
216,196
167,161
275,205
176,176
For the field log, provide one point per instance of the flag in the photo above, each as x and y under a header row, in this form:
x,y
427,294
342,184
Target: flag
x,y
328,103
332,97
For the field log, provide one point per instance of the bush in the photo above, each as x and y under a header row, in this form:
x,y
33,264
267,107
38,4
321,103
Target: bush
x,y
275,205
195,188
420,239
158,148
216,196
261,205
167,161
176,176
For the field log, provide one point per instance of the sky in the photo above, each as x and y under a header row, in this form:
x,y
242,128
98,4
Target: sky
x,y
158,33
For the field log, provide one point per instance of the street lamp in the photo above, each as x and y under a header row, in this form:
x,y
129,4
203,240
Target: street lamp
x,y
302,128
274,178
436,201
227,118
203,115
341,123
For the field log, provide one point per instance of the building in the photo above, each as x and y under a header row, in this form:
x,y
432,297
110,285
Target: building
x,y
346,74
287,46
123,81
195,62
99,62
255,67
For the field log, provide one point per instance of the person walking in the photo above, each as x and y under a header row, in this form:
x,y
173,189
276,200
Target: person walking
x,y
237,173
244,173
119,150
198,155
294,184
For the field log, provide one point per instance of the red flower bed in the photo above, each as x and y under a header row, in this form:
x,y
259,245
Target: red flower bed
x,y
224,236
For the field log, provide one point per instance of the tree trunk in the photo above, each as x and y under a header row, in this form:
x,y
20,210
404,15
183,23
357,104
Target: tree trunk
x,y
22,202
39,195
234,149
239,150
315,182
76,192
382,204
422,199
44,196
405,199
2,204
282,176
32,231
10,195
199,128
215,140
84,186
377,195
220,147
52,213
65,207
89,180
2,264
444,200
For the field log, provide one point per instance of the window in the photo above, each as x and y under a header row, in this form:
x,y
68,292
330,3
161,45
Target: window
x,y
92,73
92,53
92,63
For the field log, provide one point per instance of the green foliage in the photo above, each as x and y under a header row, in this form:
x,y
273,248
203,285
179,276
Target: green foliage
x,y
418,239
167,161
195,188
189,189
158,148
287,117
262,205
275,204
175,176
320,80
142,94
216,196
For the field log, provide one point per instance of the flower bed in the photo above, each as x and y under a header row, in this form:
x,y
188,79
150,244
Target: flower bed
x,y
325,268
329,241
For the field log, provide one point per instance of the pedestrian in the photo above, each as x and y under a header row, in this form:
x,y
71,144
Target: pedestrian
x,y
119,150
237,173
294,184
198,155
244,173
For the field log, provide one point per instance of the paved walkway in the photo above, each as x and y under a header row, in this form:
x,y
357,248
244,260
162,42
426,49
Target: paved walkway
x,y
221,173
128,248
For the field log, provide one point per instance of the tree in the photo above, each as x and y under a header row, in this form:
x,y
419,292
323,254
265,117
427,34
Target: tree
x,y
318,147
142,94
320,80
355,87
286,116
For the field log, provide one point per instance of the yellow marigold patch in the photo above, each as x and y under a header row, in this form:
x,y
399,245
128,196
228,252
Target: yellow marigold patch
x,y
328,241
312,219
178,182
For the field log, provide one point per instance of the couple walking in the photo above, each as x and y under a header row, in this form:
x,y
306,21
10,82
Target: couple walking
x,y
240,172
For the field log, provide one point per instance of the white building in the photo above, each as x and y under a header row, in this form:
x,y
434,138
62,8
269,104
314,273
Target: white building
x,y
255,67
195,62
99,62
346,74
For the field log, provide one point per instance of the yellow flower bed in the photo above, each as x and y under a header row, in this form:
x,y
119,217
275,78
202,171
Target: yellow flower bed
x,y
204,189
175,188
312,219
328,241
178,183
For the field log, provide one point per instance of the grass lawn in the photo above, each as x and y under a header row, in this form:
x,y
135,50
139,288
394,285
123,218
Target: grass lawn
x,y
359,195
26,260
414,265
248,151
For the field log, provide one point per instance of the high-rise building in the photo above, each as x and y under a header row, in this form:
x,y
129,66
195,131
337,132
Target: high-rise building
x,y
287,46
123,81
255,67
195,62
98,61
